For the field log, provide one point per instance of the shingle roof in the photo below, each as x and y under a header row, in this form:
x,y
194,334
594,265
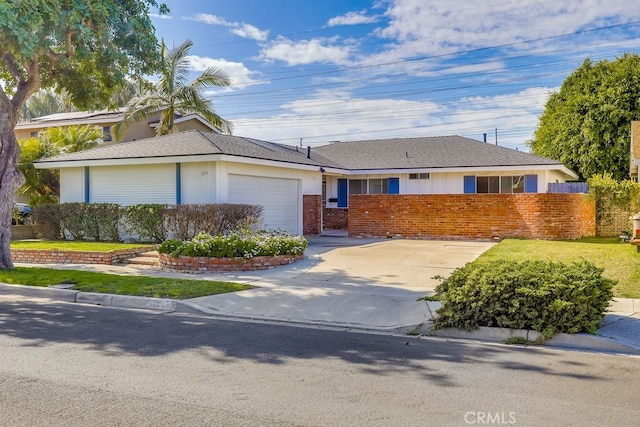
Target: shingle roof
x,y
426,152
399,153
193,143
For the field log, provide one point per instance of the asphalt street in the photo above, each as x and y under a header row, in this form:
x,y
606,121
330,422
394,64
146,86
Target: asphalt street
x,y
74,364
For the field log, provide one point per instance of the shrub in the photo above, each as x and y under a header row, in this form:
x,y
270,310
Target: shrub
x,y
46,220
186,221
147,221
81,221
543,296
237,244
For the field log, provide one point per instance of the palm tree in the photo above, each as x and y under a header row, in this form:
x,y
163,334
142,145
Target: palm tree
x,y
174,95
43,185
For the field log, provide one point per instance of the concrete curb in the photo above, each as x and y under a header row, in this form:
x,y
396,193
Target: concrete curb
x,y
566,341
65,295
561,341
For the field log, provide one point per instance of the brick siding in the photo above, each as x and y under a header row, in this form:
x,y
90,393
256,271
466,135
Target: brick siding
x,y
42,256
336,218
472,216
201,264
311,214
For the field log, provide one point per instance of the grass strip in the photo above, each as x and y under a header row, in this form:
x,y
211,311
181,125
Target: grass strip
x,y
144,286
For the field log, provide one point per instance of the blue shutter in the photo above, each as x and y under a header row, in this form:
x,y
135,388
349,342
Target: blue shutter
x,y
394,185
531,183
470,184
342,193
178,185
87,182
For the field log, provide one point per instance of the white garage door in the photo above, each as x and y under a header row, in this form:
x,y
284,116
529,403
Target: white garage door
x,y
130,185
279,198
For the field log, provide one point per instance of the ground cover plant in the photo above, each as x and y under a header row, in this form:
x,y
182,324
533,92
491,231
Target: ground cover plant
x,y
144,286
244,244
548,297
620,261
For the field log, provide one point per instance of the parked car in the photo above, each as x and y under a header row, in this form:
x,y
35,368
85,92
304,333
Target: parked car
x,y
21,214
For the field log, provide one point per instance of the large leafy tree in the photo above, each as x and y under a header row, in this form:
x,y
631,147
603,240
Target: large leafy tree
x,y
43,185
586,124
174,94
87,47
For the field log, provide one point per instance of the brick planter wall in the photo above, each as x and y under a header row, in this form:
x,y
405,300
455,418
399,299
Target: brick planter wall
x,y
311,214
42,256
472,216
336,218
201,264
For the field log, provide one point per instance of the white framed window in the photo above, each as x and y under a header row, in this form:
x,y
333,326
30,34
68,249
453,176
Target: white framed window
x,y
419,176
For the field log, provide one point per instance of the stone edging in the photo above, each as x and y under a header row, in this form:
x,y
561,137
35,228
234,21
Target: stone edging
x,y
188,264
48,256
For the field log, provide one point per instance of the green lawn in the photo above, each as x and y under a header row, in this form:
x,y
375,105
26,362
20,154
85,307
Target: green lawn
x,y
72,245
620,261
109,283
120,285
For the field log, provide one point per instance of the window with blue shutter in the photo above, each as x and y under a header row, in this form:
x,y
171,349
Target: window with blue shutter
x,y
531,183
394,185
342,193
470,184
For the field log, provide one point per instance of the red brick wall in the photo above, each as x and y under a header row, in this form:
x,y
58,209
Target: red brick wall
x,y
472,216
311,214
201,264
336,218
42,256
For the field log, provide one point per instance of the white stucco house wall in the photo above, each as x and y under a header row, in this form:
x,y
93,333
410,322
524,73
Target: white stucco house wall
x,y
294,185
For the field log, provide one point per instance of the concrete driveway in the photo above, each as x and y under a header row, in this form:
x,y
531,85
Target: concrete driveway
x,y
348,282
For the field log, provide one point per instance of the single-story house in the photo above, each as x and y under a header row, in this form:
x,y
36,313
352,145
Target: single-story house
x,y
306,190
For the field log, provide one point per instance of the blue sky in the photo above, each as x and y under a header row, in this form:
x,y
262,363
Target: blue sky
x,y
338,70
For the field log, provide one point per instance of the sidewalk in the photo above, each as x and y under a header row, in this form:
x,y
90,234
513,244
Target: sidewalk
x,y
363,284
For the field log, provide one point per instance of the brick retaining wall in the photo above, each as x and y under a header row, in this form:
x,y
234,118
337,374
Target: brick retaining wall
x,y
47,256
472,216
336,218
202,264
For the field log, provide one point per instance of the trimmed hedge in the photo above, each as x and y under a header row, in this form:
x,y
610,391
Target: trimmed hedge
x,y
148,222
236,244
543,296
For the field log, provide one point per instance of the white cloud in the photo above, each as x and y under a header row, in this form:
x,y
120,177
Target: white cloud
x,y
336,115
209,19
442,26
306,51
239,75
240,29
248,31
352,18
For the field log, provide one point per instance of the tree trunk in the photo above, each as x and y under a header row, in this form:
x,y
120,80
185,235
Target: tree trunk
x,y
11,180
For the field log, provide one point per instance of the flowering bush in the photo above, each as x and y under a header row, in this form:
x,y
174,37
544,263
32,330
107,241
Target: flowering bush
x,y
237,244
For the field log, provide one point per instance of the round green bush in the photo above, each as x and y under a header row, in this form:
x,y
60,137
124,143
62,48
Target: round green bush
x,y
538,295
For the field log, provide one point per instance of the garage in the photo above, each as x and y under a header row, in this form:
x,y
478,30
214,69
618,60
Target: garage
x,y
279,197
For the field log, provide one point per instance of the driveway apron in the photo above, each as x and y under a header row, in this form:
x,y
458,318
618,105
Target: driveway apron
x,y
349,282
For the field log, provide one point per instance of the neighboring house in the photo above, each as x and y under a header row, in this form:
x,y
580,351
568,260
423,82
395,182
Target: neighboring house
x,y
299,188
106,120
